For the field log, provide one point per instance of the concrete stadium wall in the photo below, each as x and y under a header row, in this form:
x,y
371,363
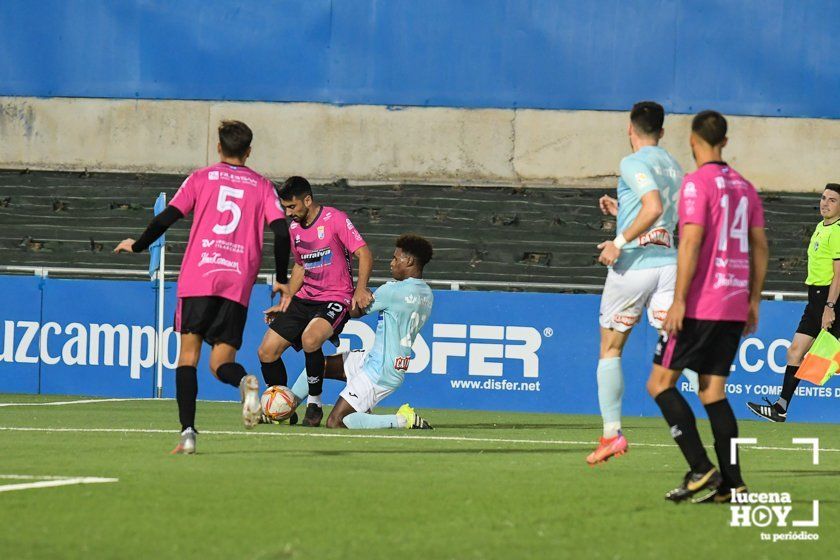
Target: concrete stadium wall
x,y
377,143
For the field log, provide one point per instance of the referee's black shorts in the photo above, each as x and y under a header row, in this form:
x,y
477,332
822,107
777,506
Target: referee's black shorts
x,y
811,322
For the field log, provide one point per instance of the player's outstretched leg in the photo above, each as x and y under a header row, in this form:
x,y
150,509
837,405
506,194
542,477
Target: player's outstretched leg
x,y
413,421
345,417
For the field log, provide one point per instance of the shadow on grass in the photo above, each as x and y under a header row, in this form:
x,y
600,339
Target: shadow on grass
x,y
551,425
801,473
446,451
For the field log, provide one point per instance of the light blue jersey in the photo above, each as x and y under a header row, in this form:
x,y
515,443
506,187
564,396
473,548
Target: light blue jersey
x,y
403,307
642,172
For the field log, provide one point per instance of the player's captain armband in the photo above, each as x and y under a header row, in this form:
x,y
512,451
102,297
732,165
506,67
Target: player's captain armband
x,y
656,236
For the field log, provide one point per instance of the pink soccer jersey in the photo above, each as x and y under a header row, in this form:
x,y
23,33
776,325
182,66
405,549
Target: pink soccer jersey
x,y
727,206
231,206
324,249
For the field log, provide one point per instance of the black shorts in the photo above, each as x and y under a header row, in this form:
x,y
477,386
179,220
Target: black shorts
x,y
706,347
215,318
811,322
291,324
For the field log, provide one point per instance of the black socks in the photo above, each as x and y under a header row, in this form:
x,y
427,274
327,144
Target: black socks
x,y
274,373
231,373
724,428
186,391
789,386
683,426
315,371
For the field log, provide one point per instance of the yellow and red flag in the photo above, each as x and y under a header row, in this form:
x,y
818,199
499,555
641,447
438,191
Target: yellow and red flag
x,y
822,360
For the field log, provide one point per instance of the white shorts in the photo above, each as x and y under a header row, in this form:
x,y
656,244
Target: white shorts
x,y
361,393
627,293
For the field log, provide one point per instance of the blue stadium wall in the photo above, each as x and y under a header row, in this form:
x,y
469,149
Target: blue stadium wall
x,y
751,57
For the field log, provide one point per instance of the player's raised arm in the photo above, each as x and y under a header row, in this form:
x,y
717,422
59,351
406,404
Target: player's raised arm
x,y
155,229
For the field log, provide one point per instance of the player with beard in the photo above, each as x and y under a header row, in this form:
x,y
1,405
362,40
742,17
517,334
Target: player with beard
x,y
321,293
721,265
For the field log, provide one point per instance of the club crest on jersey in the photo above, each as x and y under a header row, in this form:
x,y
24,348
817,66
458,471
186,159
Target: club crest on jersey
x,y
321,232
643,179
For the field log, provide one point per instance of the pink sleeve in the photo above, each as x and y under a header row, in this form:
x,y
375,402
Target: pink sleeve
x,y
184,199
756,210
693,201
271,204
349,235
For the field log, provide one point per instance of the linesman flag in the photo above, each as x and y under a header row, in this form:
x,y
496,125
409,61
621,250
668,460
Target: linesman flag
x,y
822,360
154,248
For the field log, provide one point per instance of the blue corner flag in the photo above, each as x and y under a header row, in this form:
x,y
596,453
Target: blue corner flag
x,y
154,248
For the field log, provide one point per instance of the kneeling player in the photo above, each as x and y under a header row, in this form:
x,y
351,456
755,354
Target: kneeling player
x,y
404,306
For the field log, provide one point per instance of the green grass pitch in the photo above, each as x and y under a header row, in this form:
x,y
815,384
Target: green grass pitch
x,y
481,485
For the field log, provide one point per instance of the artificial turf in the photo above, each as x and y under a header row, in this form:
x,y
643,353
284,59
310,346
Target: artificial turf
x,y
481,485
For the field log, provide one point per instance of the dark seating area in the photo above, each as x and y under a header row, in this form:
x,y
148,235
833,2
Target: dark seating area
x,y
497,234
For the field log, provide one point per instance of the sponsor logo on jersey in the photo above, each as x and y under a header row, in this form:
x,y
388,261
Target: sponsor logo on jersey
x,y
317,259
657,236
222,264
213,175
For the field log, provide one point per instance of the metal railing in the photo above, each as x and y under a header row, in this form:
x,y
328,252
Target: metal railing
x,y
44,272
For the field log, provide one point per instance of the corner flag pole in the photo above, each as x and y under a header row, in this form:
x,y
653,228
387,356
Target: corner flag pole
x,y
158,259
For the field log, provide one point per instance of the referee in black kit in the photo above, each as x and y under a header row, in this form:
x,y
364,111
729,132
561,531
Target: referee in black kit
x,y
823,283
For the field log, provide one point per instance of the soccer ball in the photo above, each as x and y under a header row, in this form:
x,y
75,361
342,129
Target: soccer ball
x,y
278,403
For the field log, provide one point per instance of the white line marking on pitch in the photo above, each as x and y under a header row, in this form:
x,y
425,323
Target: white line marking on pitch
x,y
49,481
89,401
59,403
353,436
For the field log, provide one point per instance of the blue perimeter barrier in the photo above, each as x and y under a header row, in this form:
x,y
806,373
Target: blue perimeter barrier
x,y
752,57
523,352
